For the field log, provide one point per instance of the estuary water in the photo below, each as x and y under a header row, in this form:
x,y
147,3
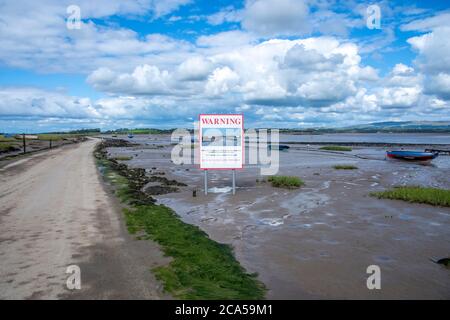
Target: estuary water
x,y
400,138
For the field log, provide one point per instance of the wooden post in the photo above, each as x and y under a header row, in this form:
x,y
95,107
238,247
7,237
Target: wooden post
x,y
50,143
24,144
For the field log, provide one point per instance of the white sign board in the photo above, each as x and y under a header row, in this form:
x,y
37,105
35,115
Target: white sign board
x,y
221,141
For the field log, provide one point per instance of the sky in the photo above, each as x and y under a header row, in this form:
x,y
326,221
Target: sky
x,y
282,63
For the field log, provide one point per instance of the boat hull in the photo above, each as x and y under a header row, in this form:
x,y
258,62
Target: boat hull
x,y
411,155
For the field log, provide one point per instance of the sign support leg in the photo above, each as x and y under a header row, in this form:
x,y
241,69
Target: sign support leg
x,y
234,181
206,182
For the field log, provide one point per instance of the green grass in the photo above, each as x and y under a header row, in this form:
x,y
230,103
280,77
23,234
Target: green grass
x,y
54,137
345,167
286,182
3,139
62,136
200,267
432,196
123,158
6,147
336,148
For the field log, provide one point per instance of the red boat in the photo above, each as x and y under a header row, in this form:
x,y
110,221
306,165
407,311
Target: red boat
x,y
412,155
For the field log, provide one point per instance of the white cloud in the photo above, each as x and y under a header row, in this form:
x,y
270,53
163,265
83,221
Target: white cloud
x,y
194,69
438,85
29,101
226,39
34,36
433,49
313,71
326,88
299,57
227,14
276,17
145,79
398,97
221,81
428,24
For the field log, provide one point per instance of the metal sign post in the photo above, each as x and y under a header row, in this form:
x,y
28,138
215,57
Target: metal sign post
x,y
221,144
234,181
206,182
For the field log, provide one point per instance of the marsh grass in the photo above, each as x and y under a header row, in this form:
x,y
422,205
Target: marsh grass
x,y
7,147
345,167
288,182
123,158
200,268
4,139
59,136
432,196
336,148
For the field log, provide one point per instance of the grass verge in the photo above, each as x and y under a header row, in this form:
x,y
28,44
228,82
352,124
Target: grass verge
x,y
200,268
55,136
345,167
432,196
335,148
123,158
4,139
286,182
7,147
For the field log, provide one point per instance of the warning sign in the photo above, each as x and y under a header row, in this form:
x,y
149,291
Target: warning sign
x,y
221,141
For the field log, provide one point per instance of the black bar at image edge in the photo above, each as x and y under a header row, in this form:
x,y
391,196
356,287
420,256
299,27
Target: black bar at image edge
x,y
268,309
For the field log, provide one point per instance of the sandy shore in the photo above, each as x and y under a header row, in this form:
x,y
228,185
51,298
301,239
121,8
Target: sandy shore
x,y
55,212
316,242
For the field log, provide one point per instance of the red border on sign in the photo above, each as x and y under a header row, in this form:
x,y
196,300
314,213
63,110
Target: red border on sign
x,y
200,138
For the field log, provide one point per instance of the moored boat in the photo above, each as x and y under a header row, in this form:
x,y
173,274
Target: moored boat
x,y
411,155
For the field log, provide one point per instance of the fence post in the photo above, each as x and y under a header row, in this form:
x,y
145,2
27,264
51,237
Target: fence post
x,y
24,144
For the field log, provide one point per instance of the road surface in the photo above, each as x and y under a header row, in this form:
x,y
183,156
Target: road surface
x,y
55,212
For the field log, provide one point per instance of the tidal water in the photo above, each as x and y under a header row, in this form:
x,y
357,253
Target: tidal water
x,y
407,138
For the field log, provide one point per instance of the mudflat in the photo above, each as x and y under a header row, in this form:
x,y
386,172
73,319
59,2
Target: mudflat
x,y
317,241
55,212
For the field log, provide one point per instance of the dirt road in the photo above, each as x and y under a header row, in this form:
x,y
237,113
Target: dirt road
x,y
55,212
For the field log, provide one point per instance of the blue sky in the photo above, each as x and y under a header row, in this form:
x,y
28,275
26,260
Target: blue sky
x,y
282,63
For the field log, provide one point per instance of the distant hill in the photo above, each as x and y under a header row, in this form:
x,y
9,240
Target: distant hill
x,y
387,126
401,126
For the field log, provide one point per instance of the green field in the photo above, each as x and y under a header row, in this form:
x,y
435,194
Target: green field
x,y
287,182
432,196
335,148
